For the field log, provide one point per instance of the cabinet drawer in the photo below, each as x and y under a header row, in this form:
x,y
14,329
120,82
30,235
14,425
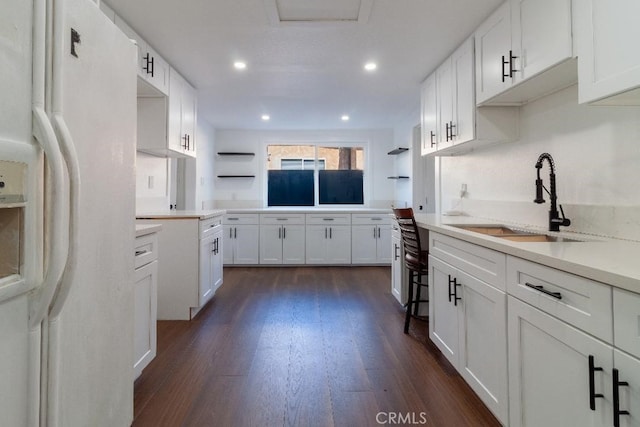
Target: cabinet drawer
x,y
485,264
328,219
146,249
235,219
367,219
208,226
626,321
282,219
578,301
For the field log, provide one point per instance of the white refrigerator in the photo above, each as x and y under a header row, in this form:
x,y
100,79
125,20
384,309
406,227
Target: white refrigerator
x,y
67,209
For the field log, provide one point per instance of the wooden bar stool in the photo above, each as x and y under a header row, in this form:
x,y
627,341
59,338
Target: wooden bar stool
x,y
415,259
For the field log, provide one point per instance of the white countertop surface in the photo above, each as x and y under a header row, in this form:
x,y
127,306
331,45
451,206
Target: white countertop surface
x,y
178,214
144,229
307,209
611,261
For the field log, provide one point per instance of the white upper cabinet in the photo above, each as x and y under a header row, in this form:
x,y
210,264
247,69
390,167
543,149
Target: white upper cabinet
x,y
182,115
524,50
458,125
429,116
608,56
493,42
153,70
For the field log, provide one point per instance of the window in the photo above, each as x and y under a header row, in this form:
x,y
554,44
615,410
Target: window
x,y
309,175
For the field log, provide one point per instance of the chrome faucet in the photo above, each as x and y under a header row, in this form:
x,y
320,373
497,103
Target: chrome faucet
x,y
554,218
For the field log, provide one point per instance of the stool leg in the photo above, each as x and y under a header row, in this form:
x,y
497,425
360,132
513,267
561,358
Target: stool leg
x,y
416,304
409,303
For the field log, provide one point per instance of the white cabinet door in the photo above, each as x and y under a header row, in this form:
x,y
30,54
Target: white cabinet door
x,y
364,239
493,42
608,57
293,244
175,141
541,35
188,118
338,250
228,244
549,372
397,265
328,245
182,115
246,240
216,262
444,117
482,360
156,69
270,244
205,277
316,246
383,244
429,111
443,314
241,244
145,316
464,106
629,396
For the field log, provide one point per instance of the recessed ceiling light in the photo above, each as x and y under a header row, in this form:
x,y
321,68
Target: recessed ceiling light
x,y
265,117
370,66
345,118
240,65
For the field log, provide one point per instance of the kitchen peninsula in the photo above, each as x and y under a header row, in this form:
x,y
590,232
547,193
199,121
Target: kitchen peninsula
x,y
190,260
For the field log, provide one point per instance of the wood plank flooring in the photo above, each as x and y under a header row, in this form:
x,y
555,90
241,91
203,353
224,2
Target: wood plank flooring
x,y
301,347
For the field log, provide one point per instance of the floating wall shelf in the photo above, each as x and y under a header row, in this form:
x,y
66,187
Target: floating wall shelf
x,y
236,176
397,151
398,177
234,153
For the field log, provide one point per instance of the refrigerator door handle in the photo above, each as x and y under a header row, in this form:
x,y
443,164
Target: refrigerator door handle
x,y
70,156
59,214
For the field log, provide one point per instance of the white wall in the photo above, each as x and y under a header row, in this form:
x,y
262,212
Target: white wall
x,y
597,156
250,192
190,183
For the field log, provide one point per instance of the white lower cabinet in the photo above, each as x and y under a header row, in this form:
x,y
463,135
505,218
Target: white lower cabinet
x,y
467,323
328,238
210,265
549,372
398,270
190,267
282,239
145,301
371,239
328,244
241,239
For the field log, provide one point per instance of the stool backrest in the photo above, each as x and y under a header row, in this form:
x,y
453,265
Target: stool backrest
x,y
410,236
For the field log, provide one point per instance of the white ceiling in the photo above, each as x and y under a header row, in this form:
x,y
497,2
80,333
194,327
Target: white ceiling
x,y
305,75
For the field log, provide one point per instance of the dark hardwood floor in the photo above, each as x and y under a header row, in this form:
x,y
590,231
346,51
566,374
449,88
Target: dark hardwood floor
x,y
302,347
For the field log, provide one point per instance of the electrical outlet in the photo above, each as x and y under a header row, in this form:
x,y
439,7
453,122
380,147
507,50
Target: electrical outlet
x,y
463,190
150,184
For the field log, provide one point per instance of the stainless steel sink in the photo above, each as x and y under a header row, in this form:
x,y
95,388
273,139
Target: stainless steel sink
x,y
514,234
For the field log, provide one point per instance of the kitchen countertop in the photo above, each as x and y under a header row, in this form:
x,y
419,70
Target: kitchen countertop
x,y
144,229
180,214
611,261
307,209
